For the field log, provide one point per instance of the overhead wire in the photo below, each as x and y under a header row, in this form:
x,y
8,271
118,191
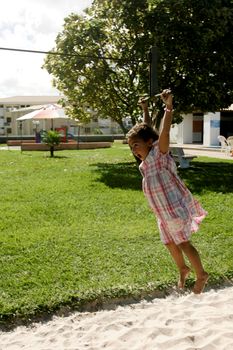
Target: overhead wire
x,y
68,54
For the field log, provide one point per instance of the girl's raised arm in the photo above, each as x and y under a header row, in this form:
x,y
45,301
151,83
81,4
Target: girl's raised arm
x,y
145,110
164,139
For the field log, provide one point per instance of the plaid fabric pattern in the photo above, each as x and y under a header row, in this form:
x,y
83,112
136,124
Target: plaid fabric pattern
x,y
178,212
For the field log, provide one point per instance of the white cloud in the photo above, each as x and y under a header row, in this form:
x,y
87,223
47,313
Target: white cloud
x,y
32,25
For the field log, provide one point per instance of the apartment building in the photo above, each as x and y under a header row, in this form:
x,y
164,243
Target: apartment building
x,y
12,108
201,128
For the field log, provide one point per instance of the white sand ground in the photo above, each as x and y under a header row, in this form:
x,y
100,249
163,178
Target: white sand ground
x,y
187,322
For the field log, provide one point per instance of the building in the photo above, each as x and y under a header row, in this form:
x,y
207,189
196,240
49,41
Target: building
x,y
204,128
12,108
201,128
10,105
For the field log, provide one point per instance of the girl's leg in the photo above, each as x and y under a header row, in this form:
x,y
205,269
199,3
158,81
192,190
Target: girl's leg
x,y
178,257
194,258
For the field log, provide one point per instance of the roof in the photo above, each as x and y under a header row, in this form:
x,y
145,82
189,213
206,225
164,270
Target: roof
x,y
29,100
33,107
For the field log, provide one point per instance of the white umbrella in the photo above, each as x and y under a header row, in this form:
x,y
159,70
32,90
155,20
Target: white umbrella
x,y
52,111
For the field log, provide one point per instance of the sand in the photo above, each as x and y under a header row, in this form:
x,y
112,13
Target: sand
x,y
177,322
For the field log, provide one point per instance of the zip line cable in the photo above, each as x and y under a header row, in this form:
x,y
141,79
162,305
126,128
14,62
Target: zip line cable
x,y
69,54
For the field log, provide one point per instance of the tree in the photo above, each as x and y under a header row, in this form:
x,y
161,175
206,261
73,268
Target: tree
x,y
195,43
195,56
87,75
52,138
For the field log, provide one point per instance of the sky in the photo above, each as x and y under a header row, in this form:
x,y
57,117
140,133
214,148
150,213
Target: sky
x,y
31,25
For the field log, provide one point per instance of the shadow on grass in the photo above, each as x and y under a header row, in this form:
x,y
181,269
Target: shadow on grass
x,y
56,157
120,175
212,176
43,155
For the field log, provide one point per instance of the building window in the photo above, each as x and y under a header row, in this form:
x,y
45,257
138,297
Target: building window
x,y
8,131
87,130
8,120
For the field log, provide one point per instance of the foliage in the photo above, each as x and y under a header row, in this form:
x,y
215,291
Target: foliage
x,y
195,43
52,138
110,86
105,56
90,236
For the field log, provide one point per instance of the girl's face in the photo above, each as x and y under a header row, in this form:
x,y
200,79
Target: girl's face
x,y
139,147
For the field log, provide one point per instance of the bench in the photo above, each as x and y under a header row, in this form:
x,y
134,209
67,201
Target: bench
x,y
71,145
17,142
181,158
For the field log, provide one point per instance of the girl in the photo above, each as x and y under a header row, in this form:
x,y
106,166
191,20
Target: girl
x,y
178,213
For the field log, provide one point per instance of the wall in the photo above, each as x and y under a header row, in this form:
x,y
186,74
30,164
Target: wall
x,y
185,130
211,129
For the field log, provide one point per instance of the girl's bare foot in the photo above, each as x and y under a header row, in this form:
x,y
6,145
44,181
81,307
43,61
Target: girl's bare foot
x,y
200,283
183,276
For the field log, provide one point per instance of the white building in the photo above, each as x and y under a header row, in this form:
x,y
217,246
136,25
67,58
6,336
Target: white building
x,y
8,125
12,108
195,128
204,128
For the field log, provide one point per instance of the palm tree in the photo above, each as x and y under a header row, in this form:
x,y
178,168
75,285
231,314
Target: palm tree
x,y
51,138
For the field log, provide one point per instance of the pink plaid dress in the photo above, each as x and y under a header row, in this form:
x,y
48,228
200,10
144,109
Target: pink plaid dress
x,y
178,213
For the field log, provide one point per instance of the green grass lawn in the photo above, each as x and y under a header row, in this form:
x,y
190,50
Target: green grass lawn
x,y
77,228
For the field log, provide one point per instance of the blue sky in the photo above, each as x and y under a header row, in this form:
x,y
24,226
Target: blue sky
x,y
32,25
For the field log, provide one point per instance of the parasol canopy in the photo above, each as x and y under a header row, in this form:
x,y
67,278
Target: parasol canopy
x,y
52,111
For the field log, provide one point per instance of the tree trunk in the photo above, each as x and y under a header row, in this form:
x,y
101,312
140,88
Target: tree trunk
x,y
120,122
51,151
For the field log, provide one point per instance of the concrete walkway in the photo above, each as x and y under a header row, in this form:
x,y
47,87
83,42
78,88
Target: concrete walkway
x,y
9,148
197,150
200,150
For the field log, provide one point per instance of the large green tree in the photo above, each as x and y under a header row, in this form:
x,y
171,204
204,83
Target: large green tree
x,y
104,60
195,43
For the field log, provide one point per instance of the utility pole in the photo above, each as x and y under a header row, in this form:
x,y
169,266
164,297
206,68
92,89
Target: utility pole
x,y
153,58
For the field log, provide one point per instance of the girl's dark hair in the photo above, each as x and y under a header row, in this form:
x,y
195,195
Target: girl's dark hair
x,y
142,131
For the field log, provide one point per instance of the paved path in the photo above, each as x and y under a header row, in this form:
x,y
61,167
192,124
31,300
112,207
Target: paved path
x,y
200,150
9,148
